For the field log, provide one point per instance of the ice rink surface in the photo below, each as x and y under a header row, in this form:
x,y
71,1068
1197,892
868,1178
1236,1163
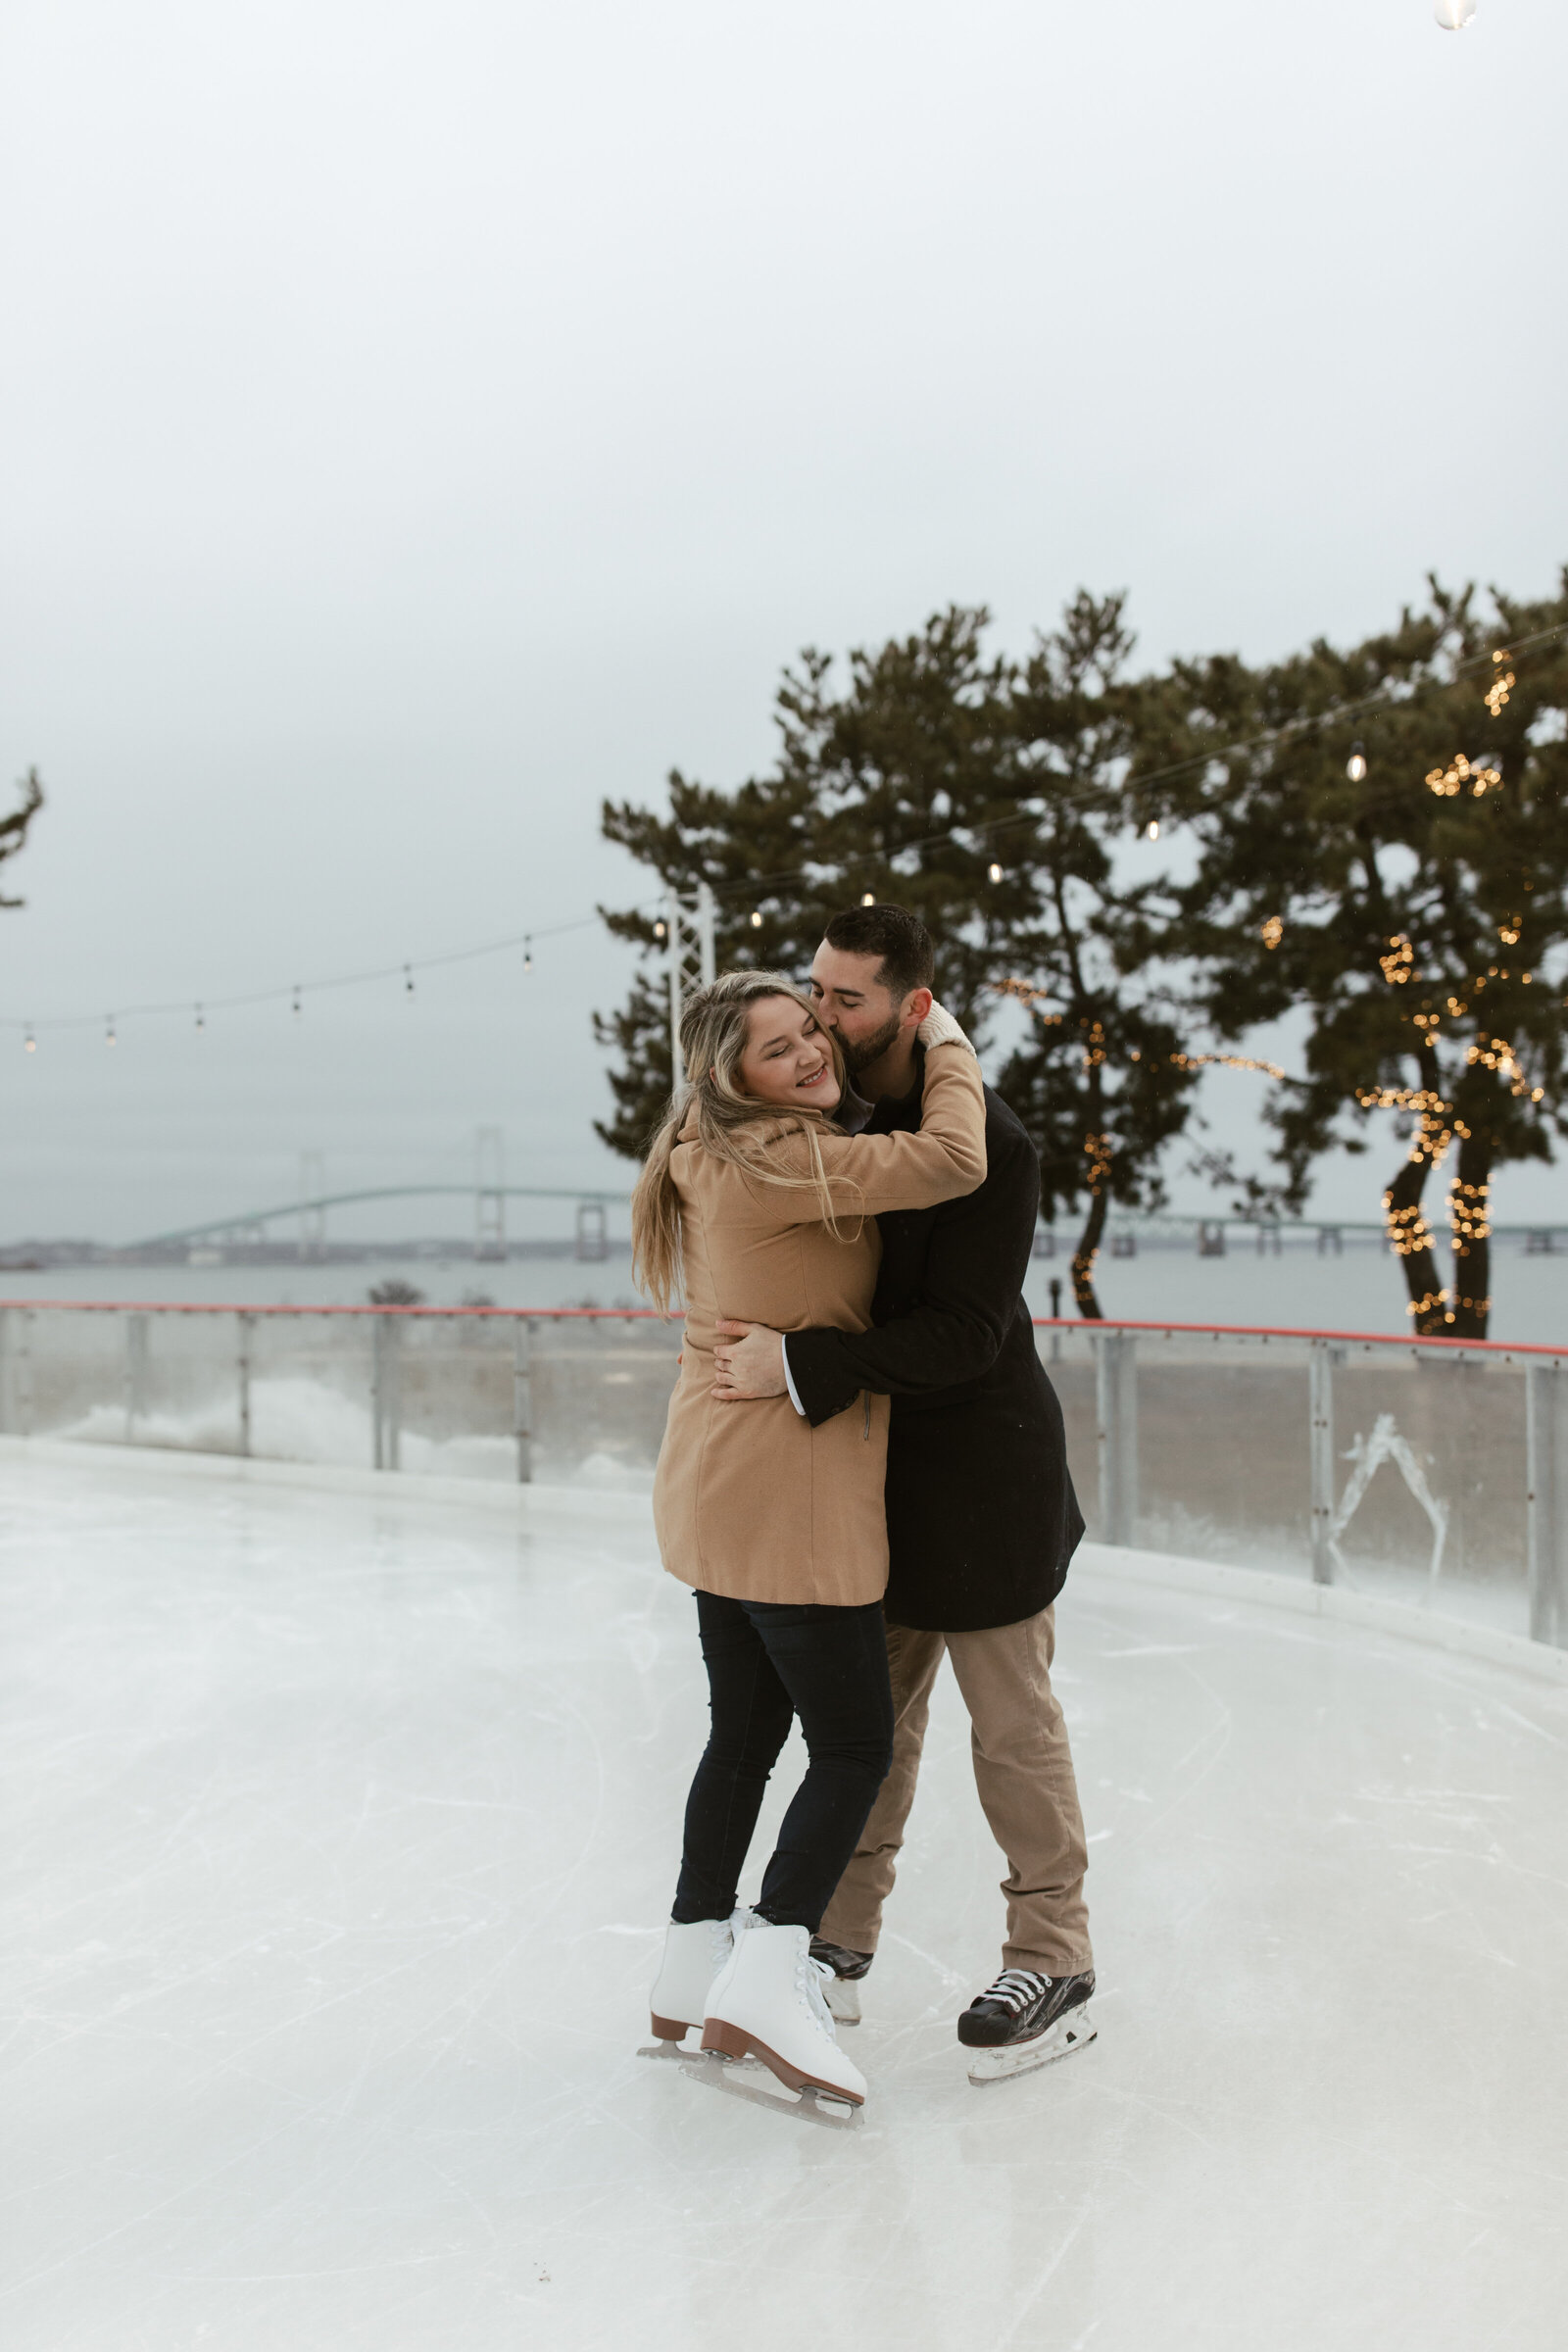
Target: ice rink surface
x,y
341,1831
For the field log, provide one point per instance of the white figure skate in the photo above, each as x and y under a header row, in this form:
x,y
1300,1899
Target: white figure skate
x,y
694,1955
768,2003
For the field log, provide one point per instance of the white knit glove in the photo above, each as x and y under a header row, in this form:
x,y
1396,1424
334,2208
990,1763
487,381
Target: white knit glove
x,y
939,1028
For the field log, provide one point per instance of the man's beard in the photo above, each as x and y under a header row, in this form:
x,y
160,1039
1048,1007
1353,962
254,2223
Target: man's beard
x,y
859,1056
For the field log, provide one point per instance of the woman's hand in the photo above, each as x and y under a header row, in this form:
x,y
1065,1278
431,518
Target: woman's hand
x,y
748,1362
939,1028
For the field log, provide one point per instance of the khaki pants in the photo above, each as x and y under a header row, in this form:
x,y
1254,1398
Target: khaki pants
x,y
1023,1772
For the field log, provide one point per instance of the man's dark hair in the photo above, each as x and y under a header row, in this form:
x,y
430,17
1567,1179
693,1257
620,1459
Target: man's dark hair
x,y
899,938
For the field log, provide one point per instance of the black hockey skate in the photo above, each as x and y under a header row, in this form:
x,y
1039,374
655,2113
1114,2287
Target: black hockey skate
x,y
843,1988
1023,2021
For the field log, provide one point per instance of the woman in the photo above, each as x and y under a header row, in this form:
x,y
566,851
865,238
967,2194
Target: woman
x,y
762,1208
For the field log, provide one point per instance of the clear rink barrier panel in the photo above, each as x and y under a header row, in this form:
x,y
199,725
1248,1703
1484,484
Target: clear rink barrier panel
x,y
1432,1472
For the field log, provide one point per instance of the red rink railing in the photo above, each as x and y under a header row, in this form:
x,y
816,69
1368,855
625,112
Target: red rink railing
x,y
1083,1325
1485,1457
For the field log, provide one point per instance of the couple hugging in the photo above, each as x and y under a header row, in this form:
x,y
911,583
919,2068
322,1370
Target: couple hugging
x,y
863,1466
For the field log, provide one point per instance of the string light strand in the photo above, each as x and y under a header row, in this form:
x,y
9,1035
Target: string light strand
x,y
1474,771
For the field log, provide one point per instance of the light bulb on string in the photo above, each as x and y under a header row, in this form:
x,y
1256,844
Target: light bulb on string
x,y
992,872
1152,829
659,930
527,954
201,1018
867,899
29,1044
297,1006
1355,766
407,979
1455,14
757,918
109,1039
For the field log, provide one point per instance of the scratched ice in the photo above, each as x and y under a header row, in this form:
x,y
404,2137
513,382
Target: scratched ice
x,y
341,1831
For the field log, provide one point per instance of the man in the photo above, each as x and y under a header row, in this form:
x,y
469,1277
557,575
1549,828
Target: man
x,y
982,1517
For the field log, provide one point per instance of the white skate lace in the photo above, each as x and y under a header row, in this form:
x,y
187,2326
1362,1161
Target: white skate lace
x,y
1015,1989
810,1977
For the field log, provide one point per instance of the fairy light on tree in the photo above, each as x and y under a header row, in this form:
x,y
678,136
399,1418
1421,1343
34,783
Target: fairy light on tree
x,y
1355,766
1455,16
1227,1062
1480,775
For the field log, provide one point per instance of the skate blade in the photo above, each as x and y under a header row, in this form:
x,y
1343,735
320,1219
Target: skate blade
x,y
746,2079
733,2041
667,2050
842,1996
1070,2033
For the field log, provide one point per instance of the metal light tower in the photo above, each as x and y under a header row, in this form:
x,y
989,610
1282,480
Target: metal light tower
x,y
689,955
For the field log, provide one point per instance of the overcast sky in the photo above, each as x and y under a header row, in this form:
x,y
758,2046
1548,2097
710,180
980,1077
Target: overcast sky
x,y
421,420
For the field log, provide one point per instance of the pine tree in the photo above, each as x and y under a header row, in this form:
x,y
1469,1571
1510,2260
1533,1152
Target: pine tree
x,y
988,797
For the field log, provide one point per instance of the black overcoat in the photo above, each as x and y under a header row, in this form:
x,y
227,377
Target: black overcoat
x,y
982,1516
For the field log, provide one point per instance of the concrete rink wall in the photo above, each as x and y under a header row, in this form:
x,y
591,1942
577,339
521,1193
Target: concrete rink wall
x,y
344,1824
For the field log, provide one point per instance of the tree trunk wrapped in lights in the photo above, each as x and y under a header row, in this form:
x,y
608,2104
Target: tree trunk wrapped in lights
x,y
1096,1151
1404,1219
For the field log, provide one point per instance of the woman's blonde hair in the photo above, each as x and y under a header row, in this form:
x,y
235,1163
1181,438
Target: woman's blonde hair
x,y
714,1030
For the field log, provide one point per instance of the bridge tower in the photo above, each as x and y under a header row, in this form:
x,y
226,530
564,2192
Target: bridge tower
x,y
312,1214
489,1197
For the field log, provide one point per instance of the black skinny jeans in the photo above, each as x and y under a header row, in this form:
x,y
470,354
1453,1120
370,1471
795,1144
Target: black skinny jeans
x,y
767,1662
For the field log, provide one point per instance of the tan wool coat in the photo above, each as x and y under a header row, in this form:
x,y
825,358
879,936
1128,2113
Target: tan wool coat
x,y
750,1501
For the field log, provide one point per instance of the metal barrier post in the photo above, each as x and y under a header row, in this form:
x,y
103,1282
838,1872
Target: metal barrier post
x,y
386,1401
136,1374
1546,1423
25,1375
247,1328
1116,1403
523,1399
1320,1442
